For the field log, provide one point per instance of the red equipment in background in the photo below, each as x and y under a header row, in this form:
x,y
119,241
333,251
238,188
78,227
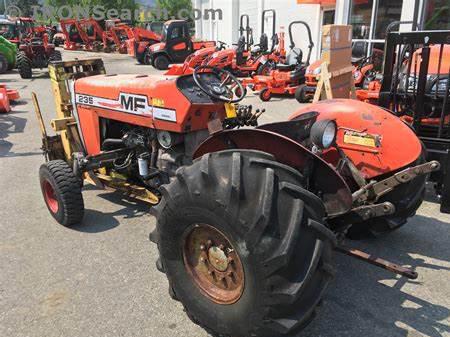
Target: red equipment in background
x,y
75,36
259,60
286,78
6,97
175,46
144,37
194,60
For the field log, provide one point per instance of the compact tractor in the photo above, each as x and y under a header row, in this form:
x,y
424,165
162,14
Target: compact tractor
x,y
248,219
260,59
195,60
175,46
284,78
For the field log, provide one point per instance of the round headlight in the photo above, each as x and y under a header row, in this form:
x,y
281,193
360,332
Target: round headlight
x,y
323,133
165,139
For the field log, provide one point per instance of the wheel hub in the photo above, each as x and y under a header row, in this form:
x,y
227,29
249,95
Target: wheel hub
x,y
213,264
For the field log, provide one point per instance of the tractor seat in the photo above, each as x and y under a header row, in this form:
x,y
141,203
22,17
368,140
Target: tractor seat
x,y
240,59
264,43
293,59
297,73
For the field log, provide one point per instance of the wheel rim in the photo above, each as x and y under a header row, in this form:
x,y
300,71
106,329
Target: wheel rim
x,y
213,264
50,198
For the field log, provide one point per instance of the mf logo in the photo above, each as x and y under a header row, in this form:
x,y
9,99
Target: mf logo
x,y
133,103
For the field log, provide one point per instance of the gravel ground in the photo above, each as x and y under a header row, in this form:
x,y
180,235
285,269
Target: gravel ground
x,y
99,279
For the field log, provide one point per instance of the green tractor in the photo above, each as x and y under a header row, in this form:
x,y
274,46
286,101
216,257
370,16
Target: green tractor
x,y
8,53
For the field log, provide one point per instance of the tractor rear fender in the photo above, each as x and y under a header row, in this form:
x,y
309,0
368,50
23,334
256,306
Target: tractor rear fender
x,y
327,183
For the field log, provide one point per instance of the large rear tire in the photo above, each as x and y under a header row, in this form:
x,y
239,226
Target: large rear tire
x,y
243,245
24,65
62,192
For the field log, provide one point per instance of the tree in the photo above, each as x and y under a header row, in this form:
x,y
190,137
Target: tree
x,y
23,5
175,8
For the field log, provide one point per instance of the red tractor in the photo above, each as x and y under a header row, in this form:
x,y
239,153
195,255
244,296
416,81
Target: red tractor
x,y
175,46
259,60
35,50
285,78
194,60
248,220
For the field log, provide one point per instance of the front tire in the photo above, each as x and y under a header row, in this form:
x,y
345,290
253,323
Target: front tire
x,y
300,94
62,192
24,65
265,95
243,245
161,62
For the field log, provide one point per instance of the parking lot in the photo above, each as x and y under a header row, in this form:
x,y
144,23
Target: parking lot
x,y
99,278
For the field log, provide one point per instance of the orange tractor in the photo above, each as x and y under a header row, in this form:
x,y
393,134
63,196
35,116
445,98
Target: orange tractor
x,y
175,46
284,78
244,61
248,219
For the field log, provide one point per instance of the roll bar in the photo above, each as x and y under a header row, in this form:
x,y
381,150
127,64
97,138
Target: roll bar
x,y
291,38
247,29
274,23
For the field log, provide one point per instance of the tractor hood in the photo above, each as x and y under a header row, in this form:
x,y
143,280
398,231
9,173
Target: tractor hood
x,y
162,102
376,141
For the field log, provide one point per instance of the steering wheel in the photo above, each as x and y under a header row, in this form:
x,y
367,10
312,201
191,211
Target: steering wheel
x,y
222,45
223,87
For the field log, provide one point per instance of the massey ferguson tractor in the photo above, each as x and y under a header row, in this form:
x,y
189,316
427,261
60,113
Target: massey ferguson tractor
x,y
248,219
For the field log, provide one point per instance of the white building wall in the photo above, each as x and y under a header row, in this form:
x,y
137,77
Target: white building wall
x,y
226,30
250,7
290,10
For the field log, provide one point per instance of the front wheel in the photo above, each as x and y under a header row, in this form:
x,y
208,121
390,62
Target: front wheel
x,y
161,62
265,95
62,192
243,246
300,94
